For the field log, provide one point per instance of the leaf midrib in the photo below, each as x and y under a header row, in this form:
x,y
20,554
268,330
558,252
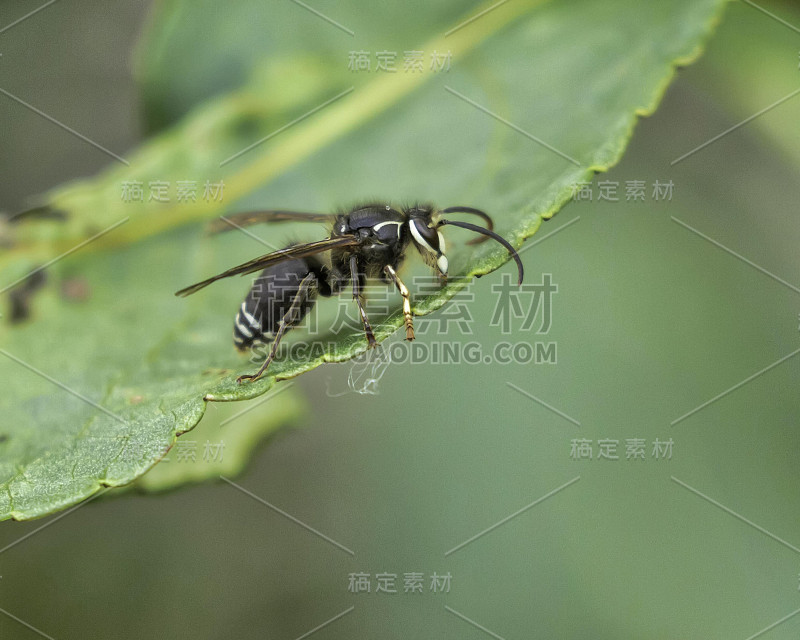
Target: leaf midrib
x,y
291,147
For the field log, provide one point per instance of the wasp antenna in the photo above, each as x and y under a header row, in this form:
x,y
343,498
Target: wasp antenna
x,y
475,212
490,234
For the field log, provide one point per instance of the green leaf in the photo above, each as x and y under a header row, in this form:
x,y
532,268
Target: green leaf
x,y
525,112
222,444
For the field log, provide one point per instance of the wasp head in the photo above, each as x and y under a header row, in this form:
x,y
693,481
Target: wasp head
x,y
428,240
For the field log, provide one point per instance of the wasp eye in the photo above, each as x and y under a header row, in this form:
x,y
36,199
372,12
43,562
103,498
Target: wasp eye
x,y
426,237
429,241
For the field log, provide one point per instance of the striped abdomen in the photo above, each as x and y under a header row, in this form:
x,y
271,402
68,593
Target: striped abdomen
x,y
269,300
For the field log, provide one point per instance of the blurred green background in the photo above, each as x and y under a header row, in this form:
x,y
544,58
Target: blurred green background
x,y
650,320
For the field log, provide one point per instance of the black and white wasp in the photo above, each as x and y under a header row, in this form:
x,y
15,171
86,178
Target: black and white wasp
x,y
367,242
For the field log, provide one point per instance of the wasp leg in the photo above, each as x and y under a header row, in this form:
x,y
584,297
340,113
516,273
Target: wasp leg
x,y
356,278
407,315
289,319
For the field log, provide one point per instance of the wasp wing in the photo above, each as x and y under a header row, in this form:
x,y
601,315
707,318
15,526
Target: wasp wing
x,y
276,257
248,218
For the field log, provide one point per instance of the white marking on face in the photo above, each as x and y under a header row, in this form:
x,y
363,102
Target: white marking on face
x,y
441,262
442,246
419,239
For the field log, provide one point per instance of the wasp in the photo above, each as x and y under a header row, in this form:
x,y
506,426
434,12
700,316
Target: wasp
x,y
367,242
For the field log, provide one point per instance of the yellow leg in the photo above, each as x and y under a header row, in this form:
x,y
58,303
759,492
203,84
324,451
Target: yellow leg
x,y
407,315
355,275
